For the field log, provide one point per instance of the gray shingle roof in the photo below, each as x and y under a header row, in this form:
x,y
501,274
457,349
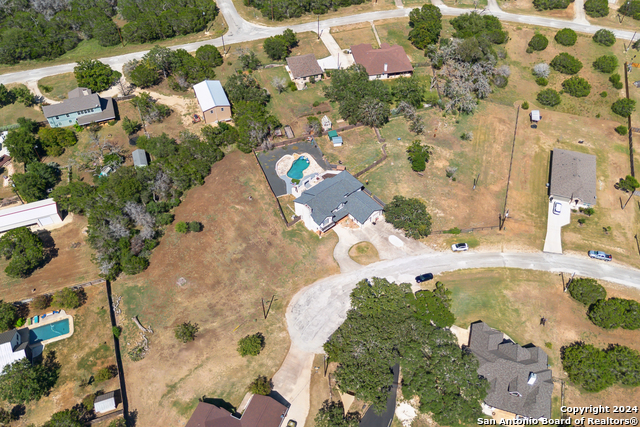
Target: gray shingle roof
x,y
338,197
72,105
6,337
108,113
105,396
573,175
508,367
304,66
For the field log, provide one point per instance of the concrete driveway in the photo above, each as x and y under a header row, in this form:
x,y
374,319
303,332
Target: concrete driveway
x,y
553,241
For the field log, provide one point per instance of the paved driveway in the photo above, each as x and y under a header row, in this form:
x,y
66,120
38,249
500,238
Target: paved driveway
x,y
553,241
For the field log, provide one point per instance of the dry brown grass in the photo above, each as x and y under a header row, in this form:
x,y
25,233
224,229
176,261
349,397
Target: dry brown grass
x,y
319,389
350,35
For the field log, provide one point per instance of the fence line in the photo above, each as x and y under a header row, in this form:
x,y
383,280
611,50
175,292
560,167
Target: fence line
x,y
513,147
467,230
74,287
374,164
304,138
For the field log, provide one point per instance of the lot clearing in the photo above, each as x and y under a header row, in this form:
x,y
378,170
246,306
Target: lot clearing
x,y
243,254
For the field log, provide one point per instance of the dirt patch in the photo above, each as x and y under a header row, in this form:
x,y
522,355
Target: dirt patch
x,y
320,389
364,253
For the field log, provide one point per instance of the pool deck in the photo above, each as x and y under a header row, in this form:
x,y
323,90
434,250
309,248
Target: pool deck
x,y
52,318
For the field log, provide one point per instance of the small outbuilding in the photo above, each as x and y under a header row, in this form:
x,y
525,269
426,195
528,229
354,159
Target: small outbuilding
x,y
105,403
535,116
326,123
41,213
139,158
213,101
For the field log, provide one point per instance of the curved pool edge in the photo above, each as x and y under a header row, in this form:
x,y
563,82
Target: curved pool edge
x,y
301,172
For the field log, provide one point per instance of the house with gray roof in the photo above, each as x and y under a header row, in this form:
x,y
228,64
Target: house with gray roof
x,y
519,377
81,107
334,198
573,178
14,346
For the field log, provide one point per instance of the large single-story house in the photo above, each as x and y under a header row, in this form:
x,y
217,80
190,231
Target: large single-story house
x,y
302,68
334,198
214,104
14,346
41,213
385,63
573,178
82,107
261,411
519,377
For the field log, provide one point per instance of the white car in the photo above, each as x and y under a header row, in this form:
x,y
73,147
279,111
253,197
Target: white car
x,y
557,208
459,247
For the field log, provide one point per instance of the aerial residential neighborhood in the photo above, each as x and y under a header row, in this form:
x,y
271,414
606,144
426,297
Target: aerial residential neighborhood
x,y
399,213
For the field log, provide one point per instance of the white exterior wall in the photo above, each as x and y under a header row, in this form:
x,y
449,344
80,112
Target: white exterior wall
x,y
41,213
304,212
7,355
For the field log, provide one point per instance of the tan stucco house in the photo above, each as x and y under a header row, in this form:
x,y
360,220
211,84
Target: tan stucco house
x,y
214,103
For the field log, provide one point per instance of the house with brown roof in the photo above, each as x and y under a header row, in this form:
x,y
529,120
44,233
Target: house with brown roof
x,y
81,107
302,68
387,62
261,411
519,376
573,178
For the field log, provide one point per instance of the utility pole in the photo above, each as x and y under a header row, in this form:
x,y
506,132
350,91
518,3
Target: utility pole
x,y
224,50
626,84
271,1
120,34
626,48
318,27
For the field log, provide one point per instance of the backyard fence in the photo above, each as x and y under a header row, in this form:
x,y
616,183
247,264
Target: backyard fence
x,y
466,230
305,137
374,164
110,416
123,98
74,287
378,135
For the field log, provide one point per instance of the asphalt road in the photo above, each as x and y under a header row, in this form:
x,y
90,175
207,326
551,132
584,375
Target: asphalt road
x,y
241,30
319,309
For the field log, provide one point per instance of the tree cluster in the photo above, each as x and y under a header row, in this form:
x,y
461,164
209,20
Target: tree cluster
x,y
631,8
95,75
418,155
16,94
604,37
538,42
389,325
409,215
615,313
278,47
331,414
127,208
551,4
286,9
596,8
606,64
595,369
150,109
566,64
615,81
548,97
37,181
627,184
25,250
566,37
587,291
426,25
22,381
576,86
624,107
474,25
8,316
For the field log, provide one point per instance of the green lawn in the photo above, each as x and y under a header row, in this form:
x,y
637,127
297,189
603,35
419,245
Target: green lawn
x,y
60,85
396,31
10,114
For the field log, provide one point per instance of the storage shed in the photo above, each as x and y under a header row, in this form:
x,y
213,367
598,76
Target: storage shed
x,y
41,213
105,403
139,158
213,101
535,115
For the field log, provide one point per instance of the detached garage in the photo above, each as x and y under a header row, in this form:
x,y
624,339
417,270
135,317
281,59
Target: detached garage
x,y
213,101
41,213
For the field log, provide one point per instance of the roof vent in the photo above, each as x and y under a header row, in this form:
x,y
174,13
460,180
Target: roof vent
x,y
385,68
532,378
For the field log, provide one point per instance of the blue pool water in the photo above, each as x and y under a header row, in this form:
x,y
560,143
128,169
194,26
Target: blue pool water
x,y
49,331
297,167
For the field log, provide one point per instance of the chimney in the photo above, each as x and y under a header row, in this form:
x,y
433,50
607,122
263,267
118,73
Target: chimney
x,y
385,67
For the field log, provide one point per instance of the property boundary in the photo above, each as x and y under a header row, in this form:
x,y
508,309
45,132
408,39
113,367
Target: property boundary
x,y
74,287
513,147
374,164
118,354
467,230
282,215
107,417
304,138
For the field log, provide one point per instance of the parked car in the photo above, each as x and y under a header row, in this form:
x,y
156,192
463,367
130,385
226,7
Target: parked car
x,y
459,247
600,255
424,277
557,208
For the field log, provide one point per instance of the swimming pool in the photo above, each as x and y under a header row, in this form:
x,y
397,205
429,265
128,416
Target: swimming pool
x,y
297,167
46,332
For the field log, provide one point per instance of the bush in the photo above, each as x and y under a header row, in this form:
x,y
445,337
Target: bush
x,y
251,345
566,37
40,302
551,4
548,97
316,103
88,401
164,219
130,126
418,155
627,184
624,107
577,86
606,64
630,8
541,70
603,94
615,81
409,215
566,64
116,330
500,81
542,81
586,291
538,42
186,332
622,130
182,227
615,312
596,8
105,374
525,105
581,221
66,298
195,226
604,37
261,385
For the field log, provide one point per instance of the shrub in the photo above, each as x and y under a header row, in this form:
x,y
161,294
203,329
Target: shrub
x,y
603,94
40,302
548,97
587,211
606,64
538,42
542,81
576,86
622,130
500,81
182,227
525,105
261,385
116,330
596,8
581,221
316,103
551,4
130,126
195,226
164,219
106,374
66,298
418,155
604,37
566,37
186,332
615,81
467,136
624,107
566,64
251,345
88,401
586,291
541,70
615,312
292,86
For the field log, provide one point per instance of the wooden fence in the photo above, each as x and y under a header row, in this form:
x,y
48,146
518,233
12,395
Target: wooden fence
x,y
374,164
74,287
466,230
305,137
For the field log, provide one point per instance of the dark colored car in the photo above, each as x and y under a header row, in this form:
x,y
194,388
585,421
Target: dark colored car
x,y
424,277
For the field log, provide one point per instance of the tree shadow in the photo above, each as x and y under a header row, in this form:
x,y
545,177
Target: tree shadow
x,y
18,411
22,310
48,245
132,418
220,403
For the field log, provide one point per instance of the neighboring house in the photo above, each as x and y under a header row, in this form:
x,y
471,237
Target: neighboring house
x,y
573,178
105,403
82,107
302,68
520,381
213,101
14,346
261,411
139,158
41,213
385,63
334,198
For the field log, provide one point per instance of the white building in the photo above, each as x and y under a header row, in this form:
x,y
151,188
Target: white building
x,y
105,403
3,148
41,213
14,346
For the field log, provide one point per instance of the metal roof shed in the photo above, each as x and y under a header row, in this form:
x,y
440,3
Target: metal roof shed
x,y
535,116
105,402
139,157
210,94
332,134
337,141
43,212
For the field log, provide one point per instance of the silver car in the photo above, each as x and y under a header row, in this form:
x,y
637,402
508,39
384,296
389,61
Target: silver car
x,y
459,247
